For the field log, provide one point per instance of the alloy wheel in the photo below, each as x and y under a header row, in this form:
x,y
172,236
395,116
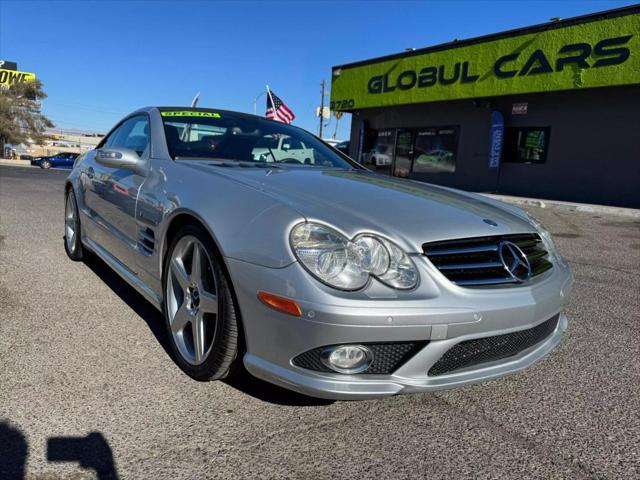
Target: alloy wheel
x,y
191,300
70,223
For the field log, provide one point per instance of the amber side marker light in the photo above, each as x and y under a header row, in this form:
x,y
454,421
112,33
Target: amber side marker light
x,y
282,304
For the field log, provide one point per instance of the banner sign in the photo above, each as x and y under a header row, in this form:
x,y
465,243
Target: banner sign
x,y
11,77
497,136
599,53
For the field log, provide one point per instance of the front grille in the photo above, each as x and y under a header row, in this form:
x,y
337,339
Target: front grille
x,y
475,262
387,357
488,349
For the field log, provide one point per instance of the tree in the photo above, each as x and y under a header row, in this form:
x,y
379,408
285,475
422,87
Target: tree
x,y
20,117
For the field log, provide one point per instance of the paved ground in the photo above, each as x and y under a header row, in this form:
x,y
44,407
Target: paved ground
x,y
85,380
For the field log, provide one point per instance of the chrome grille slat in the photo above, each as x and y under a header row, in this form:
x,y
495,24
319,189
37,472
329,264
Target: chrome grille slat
x,y
462,251
484,281
475,262
462,266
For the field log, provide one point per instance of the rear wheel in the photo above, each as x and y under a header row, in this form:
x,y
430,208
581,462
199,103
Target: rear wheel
x,y
72,242
200,314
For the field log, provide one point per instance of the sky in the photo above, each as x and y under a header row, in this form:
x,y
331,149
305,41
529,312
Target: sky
x,y
100,60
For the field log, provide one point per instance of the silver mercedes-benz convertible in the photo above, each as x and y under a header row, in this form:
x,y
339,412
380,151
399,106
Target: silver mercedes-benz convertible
x,y
268,249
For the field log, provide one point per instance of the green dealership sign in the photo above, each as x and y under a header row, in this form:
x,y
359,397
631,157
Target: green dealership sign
x,y
596,54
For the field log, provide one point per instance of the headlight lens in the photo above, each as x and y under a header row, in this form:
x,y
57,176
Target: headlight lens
x,y
544,235
347,264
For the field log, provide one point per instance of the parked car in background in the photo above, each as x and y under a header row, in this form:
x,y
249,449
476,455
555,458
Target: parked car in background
x,y
59,160
379,156
276,148
434,161
323,277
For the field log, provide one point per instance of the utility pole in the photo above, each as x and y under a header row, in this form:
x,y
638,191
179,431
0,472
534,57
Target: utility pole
x,y
321,107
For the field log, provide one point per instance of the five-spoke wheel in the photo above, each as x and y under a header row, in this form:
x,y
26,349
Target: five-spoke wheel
x,y
192,302
198,306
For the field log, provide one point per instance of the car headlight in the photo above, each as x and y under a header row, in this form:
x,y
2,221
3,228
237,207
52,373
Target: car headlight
x,y
544,235
348,264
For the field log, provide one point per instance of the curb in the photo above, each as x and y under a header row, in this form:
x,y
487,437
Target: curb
x,y
24,164
15,163
573,207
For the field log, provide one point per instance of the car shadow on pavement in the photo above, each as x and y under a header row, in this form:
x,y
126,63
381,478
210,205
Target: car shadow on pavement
x,y
144,309
91,452
268,392
244,382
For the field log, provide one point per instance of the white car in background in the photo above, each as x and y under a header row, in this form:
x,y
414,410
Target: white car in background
x,y
282,148
379,156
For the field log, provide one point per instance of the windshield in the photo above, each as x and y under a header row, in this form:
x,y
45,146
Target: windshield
x,y
212,135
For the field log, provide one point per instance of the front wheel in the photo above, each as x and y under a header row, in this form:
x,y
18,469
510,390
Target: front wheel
x,y
72,242
200,314
45,164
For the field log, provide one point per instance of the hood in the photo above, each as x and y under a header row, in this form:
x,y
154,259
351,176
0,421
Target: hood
x,y
408,212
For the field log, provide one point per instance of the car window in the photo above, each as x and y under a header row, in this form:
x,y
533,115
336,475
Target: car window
x,y
291,144
132,134
245,138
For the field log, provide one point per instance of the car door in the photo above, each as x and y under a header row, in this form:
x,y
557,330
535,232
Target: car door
x,y
111,193
66,159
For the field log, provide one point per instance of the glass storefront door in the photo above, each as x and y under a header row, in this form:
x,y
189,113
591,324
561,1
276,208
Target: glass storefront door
x,y
404,153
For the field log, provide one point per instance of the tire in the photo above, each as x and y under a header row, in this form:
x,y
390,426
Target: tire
x,y
188,305
72,228
45,164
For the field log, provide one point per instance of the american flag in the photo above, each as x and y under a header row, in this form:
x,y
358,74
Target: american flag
x,y
277,110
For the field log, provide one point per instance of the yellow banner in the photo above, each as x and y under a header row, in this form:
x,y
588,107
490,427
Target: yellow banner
x,y
189,113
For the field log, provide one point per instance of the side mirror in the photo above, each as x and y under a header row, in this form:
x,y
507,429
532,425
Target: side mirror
x,y
121,158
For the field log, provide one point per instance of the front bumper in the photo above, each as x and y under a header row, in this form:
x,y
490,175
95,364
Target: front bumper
x,y
437,311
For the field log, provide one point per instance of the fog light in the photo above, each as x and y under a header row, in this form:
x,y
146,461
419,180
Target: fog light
x,y
347,358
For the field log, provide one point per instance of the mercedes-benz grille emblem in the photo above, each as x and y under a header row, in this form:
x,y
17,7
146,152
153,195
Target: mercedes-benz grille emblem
x,y
515,261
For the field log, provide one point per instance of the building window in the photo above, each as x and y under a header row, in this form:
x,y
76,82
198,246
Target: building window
x,y
378,154
435,150
526,144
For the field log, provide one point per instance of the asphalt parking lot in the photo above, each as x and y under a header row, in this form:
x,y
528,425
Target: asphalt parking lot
x,y
88,389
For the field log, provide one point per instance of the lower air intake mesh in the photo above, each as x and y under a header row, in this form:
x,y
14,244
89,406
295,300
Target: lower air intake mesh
x,y
489,349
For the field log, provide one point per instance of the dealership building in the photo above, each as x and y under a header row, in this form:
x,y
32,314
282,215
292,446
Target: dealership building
x,y
549,111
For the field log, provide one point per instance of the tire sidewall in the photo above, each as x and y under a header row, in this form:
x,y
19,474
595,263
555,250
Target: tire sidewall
x,y
224,350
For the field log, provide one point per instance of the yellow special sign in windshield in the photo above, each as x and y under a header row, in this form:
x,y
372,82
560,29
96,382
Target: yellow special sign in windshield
x,y
189,113
596,54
